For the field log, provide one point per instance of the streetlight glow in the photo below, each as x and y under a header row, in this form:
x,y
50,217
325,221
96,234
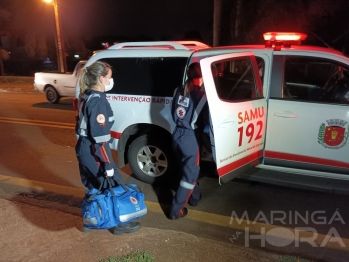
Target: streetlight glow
x,y
61,59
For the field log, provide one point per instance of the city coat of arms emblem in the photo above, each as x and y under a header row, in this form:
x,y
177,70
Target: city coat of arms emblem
x,y
334,135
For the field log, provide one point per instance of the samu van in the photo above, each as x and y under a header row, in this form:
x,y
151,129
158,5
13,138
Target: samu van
x,y
260,97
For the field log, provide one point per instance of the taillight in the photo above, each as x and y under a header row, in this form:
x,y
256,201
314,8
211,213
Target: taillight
x,y
75,104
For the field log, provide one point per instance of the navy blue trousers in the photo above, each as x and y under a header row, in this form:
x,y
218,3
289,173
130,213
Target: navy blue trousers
x,y
91,172
186,149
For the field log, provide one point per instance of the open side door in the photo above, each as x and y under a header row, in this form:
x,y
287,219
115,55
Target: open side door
x,y
238,111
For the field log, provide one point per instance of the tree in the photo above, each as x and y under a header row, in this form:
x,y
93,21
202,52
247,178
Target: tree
x,y
216,21
35,44
330,22
236,20
326,19
37,29
273,15
74,42
5,29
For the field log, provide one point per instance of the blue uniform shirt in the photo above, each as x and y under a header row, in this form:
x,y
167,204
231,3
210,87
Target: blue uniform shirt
x,y
94,123
190,112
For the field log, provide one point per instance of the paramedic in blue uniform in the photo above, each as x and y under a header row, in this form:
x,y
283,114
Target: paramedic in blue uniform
x,y
190,113
94,121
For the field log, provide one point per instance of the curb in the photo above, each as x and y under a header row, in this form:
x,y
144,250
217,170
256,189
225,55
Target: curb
x,y
63,195
72,197
30,186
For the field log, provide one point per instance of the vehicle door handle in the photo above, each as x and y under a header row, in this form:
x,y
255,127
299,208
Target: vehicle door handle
x,y
226,123
285,114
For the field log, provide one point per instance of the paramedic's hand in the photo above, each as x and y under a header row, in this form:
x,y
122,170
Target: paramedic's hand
x,y
109,172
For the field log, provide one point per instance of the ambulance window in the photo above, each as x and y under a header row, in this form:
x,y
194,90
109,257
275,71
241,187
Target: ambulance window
x,y
314,79
147,76
235,79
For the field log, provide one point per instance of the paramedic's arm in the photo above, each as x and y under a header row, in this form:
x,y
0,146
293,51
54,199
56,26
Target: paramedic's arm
x,y
100,132
173,104
206,115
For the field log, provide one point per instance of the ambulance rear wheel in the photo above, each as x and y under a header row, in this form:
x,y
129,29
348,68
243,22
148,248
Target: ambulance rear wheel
x,y
52,95
151,158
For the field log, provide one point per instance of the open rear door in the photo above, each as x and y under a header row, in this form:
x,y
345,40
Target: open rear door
x,y
238,111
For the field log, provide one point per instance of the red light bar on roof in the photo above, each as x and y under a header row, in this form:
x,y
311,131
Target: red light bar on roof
x,y
283,36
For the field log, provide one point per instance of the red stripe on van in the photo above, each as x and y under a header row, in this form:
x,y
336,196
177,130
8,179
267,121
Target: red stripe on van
x,y
305,159
236,164
115,135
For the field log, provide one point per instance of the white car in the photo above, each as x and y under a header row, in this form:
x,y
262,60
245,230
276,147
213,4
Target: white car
x,y
279,106
57,85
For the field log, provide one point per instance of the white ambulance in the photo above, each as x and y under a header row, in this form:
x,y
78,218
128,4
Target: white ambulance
x,y
278,107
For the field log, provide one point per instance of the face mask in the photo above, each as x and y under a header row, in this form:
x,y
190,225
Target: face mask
x,y
110,86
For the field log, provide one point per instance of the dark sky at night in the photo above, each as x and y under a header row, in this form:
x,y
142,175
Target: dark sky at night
x,y
132,18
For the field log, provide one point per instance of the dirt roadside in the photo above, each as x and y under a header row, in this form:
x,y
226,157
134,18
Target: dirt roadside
x,y
13,87
38,230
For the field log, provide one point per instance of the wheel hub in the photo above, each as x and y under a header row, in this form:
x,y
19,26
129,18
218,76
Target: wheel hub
x,y
152,161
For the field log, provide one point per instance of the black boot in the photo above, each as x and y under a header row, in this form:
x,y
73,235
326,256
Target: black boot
x,y
128,228
192,203
182,214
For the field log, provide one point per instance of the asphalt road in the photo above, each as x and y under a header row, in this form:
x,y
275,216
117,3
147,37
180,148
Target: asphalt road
x,y
38,144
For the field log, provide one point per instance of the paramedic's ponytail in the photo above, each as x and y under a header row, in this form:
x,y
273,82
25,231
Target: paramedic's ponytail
x,y
82,81
89,75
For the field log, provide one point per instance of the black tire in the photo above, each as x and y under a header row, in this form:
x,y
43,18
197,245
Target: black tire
x,y
51,95
151,158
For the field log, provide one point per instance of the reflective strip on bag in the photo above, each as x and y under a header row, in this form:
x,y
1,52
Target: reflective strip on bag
x,y
90,221
125,218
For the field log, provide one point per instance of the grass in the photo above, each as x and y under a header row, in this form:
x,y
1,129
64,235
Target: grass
x,y
292,259
135,256
17,80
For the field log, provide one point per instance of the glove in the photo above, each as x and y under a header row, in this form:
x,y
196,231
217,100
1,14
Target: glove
x,y
109,172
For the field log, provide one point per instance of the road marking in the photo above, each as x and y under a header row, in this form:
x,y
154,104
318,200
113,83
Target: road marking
x,y
235,226
37,122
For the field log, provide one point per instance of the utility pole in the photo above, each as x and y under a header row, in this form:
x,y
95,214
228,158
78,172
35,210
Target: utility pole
x,y
62,62
237,21
217,11
61,58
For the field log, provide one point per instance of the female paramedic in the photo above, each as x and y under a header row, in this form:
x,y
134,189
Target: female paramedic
x,y
93,126
190,113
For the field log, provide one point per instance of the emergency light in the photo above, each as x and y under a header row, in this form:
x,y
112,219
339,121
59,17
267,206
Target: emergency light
x,y
283,39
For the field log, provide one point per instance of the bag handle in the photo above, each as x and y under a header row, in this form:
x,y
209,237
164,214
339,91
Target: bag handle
x,y
107,179
109,184
124,186
89,199
120,184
